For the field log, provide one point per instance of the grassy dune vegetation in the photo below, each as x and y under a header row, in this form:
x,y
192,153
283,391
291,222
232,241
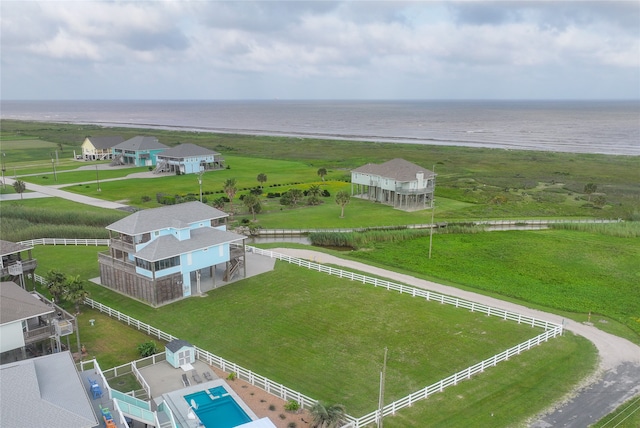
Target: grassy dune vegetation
x,y
493,182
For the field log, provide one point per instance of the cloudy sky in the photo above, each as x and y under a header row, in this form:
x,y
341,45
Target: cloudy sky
x,y
320,50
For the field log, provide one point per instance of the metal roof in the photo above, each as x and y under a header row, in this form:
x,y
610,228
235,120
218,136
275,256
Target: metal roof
x,y
177,216
396,169
45,392
17,304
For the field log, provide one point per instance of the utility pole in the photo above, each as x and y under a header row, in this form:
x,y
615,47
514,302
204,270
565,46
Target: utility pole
x,y
53,162
200,182
98,179
383,374
4,186
433,209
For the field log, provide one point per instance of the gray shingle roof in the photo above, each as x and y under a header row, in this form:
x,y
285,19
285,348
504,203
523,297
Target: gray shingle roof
x,y
105,142
45,392
168,245
397,169
187,150
179,215
140,143
7,247
17,304
177,344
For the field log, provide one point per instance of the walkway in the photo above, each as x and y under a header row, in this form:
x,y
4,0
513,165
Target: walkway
x,y
617,381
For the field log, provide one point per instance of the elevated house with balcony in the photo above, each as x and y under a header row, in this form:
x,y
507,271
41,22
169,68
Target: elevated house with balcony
x,y
137,151
188,159
16,261
99,148
398,183
30,325
165,254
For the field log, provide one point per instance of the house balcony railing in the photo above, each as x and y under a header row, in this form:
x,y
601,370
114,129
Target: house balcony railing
x,y
403,191
122,245
122,265
40,333
27,265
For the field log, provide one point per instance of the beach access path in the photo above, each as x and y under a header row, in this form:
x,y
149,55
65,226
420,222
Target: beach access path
x,y
618,376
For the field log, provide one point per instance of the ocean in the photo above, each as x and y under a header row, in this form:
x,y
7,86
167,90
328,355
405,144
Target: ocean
x,y
606,127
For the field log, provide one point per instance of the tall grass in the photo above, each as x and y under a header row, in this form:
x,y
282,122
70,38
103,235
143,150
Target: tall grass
x,y
22,222
627,229
367,239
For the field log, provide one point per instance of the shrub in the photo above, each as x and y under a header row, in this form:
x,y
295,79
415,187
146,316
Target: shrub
x,y
292,406
145,198
292,425
147,348
272,407
232,376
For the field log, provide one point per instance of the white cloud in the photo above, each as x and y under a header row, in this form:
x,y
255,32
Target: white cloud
x,y
336,44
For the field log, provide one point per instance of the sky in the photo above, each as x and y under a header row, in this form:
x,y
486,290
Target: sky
x,y
363,50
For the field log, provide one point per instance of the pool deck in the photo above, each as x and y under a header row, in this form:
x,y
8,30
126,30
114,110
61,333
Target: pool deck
x,y
163,378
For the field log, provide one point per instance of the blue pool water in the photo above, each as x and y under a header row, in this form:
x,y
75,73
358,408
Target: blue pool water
x,y
217,409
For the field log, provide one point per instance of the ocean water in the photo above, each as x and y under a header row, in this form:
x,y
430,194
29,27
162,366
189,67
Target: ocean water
x,y
607,127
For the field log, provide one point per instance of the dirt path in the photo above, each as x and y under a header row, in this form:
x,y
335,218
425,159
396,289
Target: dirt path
x,y
618,378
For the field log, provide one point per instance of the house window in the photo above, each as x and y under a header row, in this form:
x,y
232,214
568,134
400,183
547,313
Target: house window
x,y
221,250
167,263
189,259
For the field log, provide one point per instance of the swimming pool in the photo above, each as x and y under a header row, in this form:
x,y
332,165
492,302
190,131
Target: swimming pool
x,y
215,407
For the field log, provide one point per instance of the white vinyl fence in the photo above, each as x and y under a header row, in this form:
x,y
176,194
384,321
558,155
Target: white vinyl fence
x,y
551,330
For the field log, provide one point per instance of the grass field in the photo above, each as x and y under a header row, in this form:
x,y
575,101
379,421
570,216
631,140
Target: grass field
x,y
301,328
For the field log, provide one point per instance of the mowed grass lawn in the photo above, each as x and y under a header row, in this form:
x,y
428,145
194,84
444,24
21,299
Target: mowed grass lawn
x,y
325,336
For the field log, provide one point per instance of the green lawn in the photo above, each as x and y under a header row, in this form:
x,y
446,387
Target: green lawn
x,y
301,327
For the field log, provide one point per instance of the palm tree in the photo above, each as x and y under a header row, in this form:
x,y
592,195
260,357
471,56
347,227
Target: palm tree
x,y
590,188
327,416
56,283
252,202
314,194
262,178
342,199
19,186
230,189
322,172
75,292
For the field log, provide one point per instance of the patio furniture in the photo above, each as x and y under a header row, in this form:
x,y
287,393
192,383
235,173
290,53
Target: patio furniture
x,y
207,376
185,380
196,376
96,391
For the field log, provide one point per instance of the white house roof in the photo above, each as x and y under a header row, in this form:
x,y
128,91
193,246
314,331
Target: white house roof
x,y
167,246
396,169
45,392
140,143
105,142
17,304
187,150
179,215
7,247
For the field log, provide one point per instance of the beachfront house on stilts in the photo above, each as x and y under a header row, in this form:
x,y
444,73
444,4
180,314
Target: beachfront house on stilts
x,y
398,183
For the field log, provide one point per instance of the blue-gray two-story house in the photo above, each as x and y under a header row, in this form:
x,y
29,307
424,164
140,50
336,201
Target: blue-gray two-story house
x,y
160,255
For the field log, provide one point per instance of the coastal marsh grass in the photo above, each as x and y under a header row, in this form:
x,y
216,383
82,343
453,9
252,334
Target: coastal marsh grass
x,y
300,327
574,271
54,218
481,177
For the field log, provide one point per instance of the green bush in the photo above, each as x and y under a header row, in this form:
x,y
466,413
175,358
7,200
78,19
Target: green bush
x,y
147,348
